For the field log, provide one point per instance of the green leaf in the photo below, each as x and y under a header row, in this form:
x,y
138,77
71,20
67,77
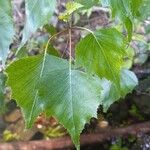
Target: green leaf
x,y
126,11
48,85
70,8
128,82
38,14
6,28
2,88
145,11
130,58
52,51
88,4
22,53
102,52
136,6
50,29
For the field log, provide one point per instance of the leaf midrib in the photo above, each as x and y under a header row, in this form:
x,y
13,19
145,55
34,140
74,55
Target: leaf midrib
x,y
105,57
70,93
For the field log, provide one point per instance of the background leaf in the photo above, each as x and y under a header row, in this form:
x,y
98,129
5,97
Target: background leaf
x,y
88,4
38,14
50,29
70,8
126,11
144,10
52,51
70,95
128,82
6,28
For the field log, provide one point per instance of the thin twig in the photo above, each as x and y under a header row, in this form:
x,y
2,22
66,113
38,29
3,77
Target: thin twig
x,y
51,38
82,28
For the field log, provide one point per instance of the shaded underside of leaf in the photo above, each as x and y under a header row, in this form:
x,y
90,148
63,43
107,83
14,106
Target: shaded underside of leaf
x,y
110,95
38,13
6,28
72,97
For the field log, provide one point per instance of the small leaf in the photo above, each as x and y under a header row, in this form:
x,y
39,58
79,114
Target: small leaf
x,y
52,51
110,94
6,28
51,87
38,14
50,29
102,53
70,8
126,11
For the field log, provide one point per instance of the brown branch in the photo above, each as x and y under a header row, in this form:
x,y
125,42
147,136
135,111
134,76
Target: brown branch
x,y
86,139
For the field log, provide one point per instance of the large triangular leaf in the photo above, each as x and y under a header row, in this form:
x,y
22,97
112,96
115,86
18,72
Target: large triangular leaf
x,y
6,28
51,87
102,53
110,95
38,13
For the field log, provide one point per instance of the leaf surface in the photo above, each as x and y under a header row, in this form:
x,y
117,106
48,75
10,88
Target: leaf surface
x,y
110,95
144,10
102,53
126,11
38,14
6,28
70,95
70,8
88,4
